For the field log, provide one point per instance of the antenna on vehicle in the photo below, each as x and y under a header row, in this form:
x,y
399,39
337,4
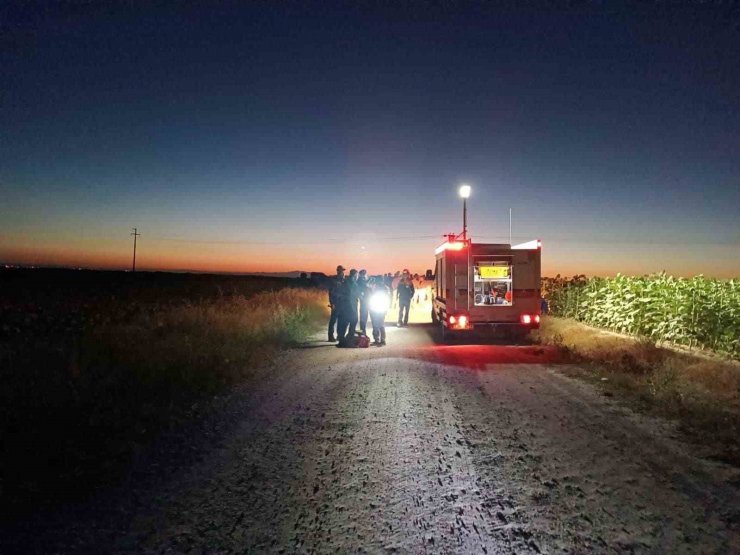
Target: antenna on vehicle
x,y
509,226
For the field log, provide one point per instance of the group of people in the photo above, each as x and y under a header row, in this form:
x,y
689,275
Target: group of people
x,y
354,297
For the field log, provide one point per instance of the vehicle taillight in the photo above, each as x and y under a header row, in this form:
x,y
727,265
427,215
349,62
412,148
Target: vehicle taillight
x,y
459,321
536,318
525,319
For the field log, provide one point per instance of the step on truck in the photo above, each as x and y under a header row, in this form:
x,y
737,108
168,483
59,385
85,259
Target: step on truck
x,y
486,285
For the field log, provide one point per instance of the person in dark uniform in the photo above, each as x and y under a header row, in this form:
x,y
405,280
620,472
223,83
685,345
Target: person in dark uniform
x,y
362,288
379,301
404,293
348,309
335,286
388,282
353,291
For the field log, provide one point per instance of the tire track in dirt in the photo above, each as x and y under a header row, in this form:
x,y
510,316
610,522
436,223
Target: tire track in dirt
x,y
257,489
395,474
586,474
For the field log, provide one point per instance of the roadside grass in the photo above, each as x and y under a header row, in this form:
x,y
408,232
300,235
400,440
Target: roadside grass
x,y
700,392
73,414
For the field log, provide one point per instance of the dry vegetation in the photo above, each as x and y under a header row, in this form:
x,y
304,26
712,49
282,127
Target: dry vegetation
x,y
201,346
702,393
91,373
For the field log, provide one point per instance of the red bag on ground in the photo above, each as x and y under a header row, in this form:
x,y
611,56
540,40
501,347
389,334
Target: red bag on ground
x,y
363,341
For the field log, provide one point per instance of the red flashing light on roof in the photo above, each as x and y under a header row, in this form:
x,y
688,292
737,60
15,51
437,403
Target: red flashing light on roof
x,y
539,243
448,246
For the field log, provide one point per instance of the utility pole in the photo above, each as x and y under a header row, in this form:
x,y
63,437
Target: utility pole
x,y
465,219
135,234
464,193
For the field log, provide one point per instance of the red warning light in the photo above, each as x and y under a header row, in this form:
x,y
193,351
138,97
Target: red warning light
x,y
454,246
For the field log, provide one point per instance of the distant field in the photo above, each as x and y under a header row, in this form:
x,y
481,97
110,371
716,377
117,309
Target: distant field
x,y
94,364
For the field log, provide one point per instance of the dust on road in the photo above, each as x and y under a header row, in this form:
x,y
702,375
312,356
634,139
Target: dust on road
x,y
418,447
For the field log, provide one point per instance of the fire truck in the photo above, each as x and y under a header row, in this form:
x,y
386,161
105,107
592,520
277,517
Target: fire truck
x,y
486,285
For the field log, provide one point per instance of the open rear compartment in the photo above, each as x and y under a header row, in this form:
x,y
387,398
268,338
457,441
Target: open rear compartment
x,y
493,272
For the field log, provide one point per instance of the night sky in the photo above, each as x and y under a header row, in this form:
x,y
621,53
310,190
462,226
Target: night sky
x,y
295,136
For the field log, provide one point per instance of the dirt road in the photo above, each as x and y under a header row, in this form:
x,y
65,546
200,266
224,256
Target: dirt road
x,y
414,447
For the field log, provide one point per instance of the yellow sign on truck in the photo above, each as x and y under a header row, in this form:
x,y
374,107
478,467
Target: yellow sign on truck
x,y
491,272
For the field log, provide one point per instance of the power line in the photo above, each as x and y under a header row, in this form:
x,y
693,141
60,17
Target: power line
x,y
551,239
608,241
293,242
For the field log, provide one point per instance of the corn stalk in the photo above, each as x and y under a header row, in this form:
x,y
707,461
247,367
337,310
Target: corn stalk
x,y
694,312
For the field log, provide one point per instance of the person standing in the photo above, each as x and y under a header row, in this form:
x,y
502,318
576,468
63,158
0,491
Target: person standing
x,y
335,289
364,293
348,310
379,301
388,282
354,299
404,293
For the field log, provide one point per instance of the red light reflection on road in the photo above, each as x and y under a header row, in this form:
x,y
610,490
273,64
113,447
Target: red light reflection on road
x,y
480,357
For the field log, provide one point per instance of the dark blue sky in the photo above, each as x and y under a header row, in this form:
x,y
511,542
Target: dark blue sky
x,y
612,130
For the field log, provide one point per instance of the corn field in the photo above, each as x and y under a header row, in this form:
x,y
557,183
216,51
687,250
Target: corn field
x,y
697,312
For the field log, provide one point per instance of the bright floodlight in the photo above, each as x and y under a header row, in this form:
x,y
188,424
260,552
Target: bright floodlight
x,y
380,302
464,191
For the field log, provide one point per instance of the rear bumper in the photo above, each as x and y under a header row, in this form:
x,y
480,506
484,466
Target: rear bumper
x,y
494,325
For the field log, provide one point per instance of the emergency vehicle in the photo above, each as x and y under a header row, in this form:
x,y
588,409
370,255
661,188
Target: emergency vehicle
x,y
479,285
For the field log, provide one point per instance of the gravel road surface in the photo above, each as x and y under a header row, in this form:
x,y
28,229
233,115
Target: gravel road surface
x,y
411,448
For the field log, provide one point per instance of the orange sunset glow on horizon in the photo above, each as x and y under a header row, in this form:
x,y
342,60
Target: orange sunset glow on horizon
x,y
181,255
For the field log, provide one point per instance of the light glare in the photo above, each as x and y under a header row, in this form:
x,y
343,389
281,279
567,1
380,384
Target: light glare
x,y
456,246
464,191
380,302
